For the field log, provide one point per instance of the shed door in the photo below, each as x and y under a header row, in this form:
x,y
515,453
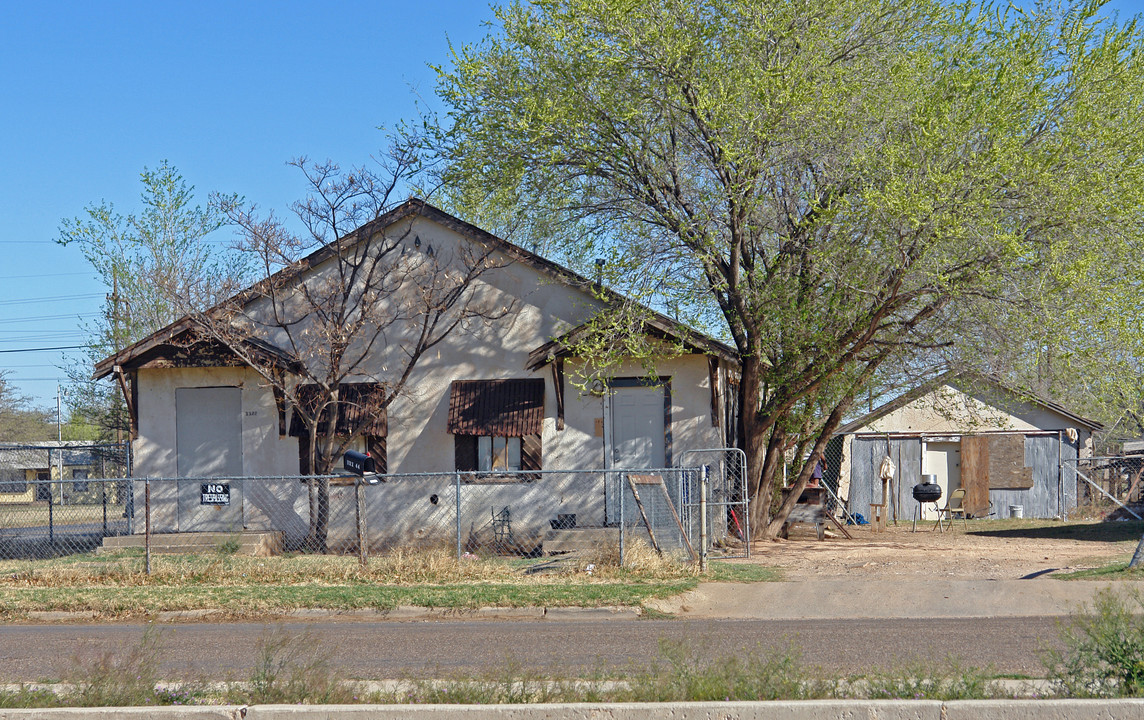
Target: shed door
x,y
943,459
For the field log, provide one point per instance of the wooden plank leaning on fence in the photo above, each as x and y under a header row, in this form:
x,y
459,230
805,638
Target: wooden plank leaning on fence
x,y
657,481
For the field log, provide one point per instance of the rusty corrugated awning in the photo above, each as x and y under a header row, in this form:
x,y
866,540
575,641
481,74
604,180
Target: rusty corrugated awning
x,y
358,408
501,408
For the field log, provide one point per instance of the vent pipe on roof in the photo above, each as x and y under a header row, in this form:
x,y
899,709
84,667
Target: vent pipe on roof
x,y
600,262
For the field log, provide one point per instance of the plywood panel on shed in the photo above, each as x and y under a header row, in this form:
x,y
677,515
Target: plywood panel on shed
x,y
1007,468
975,473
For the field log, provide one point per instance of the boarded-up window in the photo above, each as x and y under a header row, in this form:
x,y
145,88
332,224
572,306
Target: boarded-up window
x,y
359,409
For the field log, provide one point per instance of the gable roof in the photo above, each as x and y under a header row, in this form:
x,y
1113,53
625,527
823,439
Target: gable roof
x,y
952,376
657,323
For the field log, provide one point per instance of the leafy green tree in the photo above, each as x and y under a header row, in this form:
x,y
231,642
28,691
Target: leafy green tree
x,y
156,264
19,420
847,190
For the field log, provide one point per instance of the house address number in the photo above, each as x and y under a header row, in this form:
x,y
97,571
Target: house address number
x,y
215,494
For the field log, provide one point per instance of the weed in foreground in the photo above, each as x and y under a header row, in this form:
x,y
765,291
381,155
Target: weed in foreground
x,y
129,679
27,697
510,685
919,681
777,675
293,669
1104,649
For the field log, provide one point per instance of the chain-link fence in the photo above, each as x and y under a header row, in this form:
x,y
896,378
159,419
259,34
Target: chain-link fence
x,y
1107,487
529,514
605,513
62,498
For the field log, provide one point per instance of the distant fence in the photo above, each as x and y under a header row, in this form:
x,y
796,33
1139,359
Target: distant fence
x,y
61,498
1109,486
529,513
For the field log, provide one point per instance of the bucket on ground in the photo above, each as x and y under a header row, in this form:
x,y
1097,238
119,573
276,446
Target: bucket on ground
x,y
1017,511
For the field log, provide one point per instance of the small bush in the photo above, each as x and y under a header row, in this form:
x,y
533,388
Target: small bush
x,y
1104,649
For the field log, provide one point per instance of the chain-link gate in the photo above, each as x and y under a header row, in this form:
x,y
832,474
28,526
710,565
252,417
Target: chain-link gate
x,y
728,526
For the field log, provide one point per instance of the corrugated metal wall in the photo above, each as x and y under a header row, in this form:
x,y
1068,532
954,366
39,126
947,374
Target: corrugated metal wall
x,y
1042,452
865,483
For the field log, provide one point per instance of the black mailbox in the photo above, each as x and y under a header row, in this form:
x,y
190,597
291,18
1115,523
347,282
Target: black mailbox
x,y
357,463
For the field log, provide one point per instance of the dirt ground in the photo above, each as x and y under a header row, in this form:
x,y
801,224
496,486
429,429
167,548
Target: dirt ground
x,y
998,549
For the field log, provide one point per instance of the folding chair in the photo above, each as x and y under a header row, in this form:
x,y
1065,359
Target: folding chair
x,y
954,506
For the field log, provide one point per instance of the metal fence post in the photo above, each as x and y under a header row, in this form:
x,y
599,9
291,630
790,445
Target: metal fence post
x,y
457,492
359,502
147,520
703,519
51,516
623,527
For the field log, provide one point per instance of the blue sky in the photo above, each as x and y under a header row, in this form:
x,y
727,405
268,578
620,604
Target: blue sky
x,y
90,93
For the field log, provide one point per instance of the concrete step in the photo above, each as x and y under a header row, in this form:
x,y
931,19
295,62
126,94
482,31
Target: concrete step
x,y
260,544
580,539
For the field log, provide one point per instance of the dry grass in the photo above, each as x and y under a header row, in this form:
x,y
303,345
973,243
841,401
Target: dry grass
x,y
401,567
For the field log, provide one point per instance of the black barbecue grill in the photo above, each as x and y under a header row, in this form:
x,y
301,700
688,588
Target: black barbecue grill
x,y
927,491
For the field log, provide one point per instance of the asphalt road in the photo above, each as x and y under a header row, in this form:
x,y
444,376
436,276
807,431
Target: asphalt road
x,y
387,650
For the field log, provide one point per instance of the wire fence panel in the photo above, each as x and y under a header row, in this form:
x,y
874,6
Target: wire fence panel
x,y
57,526
492,514
1106,487
650,501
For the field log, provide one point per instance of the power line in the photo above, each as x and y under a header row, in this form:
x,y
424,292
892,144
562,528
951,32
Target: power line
x,y
43,337
45,349
18,379
35,318
45,276
51,298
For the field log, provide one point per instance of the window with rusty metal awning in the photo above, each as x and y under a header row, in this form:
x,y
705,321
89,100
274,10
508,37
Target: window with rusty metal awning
x,y
496,424
358,411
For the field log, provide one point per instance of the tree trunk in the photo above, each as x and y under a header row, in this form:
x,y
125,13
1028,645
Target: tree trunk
x,y
752,439
319,492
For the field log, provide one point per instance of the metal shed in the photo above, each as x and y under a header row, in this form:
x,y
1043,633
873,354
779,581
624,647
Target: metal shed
x,y
1003,470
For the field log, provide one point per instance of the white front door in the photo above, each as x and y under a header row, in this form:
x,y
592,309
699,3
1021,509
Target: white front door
x,y
944,460
637,438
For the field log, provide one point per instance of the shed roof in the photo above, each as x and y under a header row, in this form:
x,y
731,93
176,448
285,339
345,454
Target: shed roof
x,y
970,376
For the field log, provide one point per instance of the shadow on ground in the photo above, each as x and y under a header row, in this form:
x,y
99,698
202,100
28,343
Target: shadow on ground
x,y
1087,532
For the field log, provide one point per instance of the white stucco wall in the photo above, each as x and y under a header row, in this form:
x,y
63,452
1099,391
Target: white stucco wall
x,y
155,451
418,441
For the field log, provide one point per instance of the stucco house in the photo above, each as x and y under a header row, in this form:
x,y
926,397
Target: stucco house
x,y
1008,450
500,394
